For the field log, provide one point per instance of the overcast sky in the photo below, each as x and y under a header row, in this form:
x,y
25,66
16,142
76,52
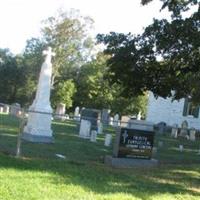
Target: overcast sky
x,y
21,19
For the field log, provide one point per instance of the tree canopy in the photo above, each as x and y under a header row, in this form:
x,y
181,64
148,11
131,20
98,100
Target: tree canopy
x,y
164,59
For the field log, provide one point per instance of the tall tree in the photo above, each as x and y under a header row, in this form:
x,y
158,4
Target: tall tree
x,y
95,91
135,63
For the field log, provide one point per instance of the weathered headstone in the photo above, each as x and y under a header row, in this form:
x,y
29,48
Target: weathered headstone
x,y
105,116
6,109
60,111
192,133
76,114
108,140
93,137
85,129
181,148
38,128
99,127
91,115
116,120
111,121
174,132
15,109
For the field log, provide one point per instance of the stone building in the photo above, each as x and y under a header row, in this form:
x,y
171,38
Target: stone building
x,y
172,112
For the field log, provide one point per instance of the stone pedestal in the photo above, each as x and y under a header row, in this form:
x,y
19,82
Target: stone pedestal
x,y
38,128
129,163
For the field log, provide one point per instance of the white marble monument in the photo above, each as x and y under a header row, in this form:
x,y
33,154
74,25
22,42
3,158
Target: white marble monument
x,y
85,129
38,128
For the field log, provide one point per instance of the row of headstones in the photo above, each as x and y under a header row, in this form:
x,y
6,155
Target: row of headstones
x,y
189,134
14,109
105,118
87,132
184,131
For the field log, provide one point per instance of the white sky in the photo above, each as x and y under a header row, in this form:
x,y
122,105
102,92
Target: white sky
x,y
21,19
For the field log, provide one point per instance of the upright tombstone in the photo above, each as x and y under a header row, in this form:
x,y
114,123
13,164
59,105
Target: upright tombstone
x,y
111,121
133,147
116,120
60,111
105,115
38,128
6,109
184,129
91,115
85,129
76,114
192,133
15,109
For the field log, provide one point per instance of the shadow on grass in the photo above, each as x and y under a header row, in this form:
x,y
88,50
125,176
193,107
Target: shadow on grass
x,y
84,167
103,180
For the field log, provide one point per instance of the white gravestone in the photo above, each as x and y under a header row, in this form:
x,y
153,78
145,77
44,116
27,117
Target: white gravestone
x,y
111,121
15,109
85,128
174,132
60,111
6,109
77,114
99,127
108,140
38,128
192,134
116,120
93,137
1,109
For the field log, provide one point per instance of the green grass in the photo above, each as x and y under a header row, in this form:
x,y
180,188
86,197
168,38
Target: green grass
x,y
38,174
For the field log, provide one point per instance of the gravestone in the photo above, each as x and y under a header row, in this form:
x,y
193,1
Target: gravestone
x,y
108,140
133,148
160,128
116,120
184,129
60,111
192,134
85,129
93,137
174,132
91,115
111,121
1,109
76,114
134,143
6,109
99,127
38,128
15,109
105,116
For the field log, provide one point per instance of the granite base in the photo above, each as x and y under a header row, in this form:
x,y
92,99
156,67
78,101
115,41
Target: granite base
x,y
129,162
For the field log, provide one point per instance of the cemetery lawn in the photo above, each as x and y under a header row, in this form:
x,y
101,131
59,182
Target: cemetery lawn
x,y
39,174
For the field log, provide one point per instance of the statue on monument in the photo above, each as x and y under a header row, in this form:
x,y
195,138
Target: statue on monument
x,y
38,128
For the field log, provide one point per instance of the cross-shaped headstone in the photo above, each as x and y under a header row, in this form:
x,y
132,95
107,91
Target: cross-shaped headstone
x,y
48,54
124,135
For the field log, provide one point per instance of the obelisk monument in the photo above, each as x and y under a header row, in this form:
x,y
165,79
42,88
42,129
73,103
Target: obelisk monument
x,y
38,128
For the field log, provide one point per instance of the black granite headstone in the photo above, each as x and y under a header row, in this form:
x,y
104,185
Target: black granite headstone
x,y
133,143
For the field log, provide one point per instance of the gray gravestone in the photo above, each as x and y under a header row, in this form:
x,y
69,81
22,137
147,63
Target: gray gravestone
x,y
85,129
133,148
